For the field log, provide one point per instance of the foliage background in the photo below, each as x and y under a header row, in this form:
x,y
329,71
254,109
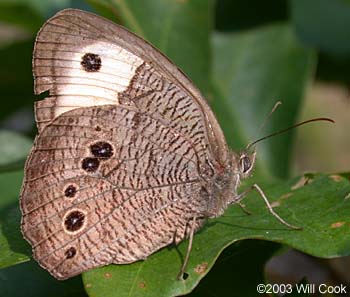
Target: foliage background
x,y
243,55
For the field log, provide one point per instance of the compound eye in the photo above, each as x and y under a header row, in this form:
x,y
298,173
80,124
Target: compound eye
x,y
245,164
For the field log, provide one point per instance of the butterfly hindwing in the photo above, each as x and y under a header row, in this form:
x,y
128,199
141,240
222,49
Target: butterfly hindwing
x,y
98,187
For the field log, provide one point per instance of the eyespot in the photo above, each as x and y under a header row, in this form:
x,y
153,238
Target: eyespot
x,y
74,221
102,149
245,164
91,62
70,191
70,253
90,164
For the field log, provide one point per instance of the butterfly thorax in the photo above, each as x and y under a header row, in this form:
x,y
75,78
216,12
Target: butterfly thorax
x,y
225,183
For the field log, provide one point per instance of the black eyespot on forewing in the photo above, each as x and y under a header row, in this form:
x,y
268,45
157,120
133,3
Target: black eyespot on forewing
x,y
91,62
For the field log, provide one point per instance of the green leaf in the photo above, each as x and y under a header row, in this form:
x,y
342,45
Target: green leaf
x,y
252,71
13,150
16,79
13,248
20,15
325,234
243,261
180,29
10,184
240,15
29,280
39,7
323,24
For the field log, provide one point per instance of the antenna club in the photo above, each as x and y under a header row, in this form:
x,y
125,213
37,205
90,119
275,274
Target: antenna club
x,y
291,127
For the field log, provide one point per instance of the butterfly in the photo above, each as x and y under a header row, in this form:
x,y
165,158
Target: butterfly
x,y
129,157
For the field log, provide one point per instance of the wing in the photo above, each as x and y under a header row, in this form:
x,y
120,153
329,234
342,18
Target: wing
x,y
126,149
62,65
107,185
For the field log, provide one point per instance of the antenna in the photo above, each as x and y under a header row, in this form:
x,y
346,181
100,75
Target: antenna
x,y
277,104
290,128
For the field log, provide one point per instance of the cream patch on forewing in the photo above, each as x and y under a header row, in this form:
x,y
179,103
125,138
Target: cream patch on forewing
x,y
80,88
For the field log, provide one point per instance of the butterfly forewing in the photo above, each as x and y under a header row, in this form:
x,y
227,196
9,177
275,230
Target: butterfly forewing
x,y
71,34
125,152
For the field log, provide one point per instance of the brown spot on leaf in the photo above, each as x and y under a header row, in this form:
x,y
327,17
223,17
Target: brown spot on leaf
x,y
279,201
275,204
337,224
304,180
107,275
142,285
287,195
201,268
336,178
88,285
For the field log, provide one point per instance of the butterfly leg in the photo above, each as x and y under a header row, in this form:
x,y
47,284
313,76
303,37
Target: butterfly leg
x,y
269,207
238,200
244,208
189,248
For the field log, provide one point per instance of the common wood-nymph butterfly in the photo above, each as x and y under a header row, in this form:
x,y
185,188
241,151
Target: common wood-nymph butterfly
x,y
129,157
